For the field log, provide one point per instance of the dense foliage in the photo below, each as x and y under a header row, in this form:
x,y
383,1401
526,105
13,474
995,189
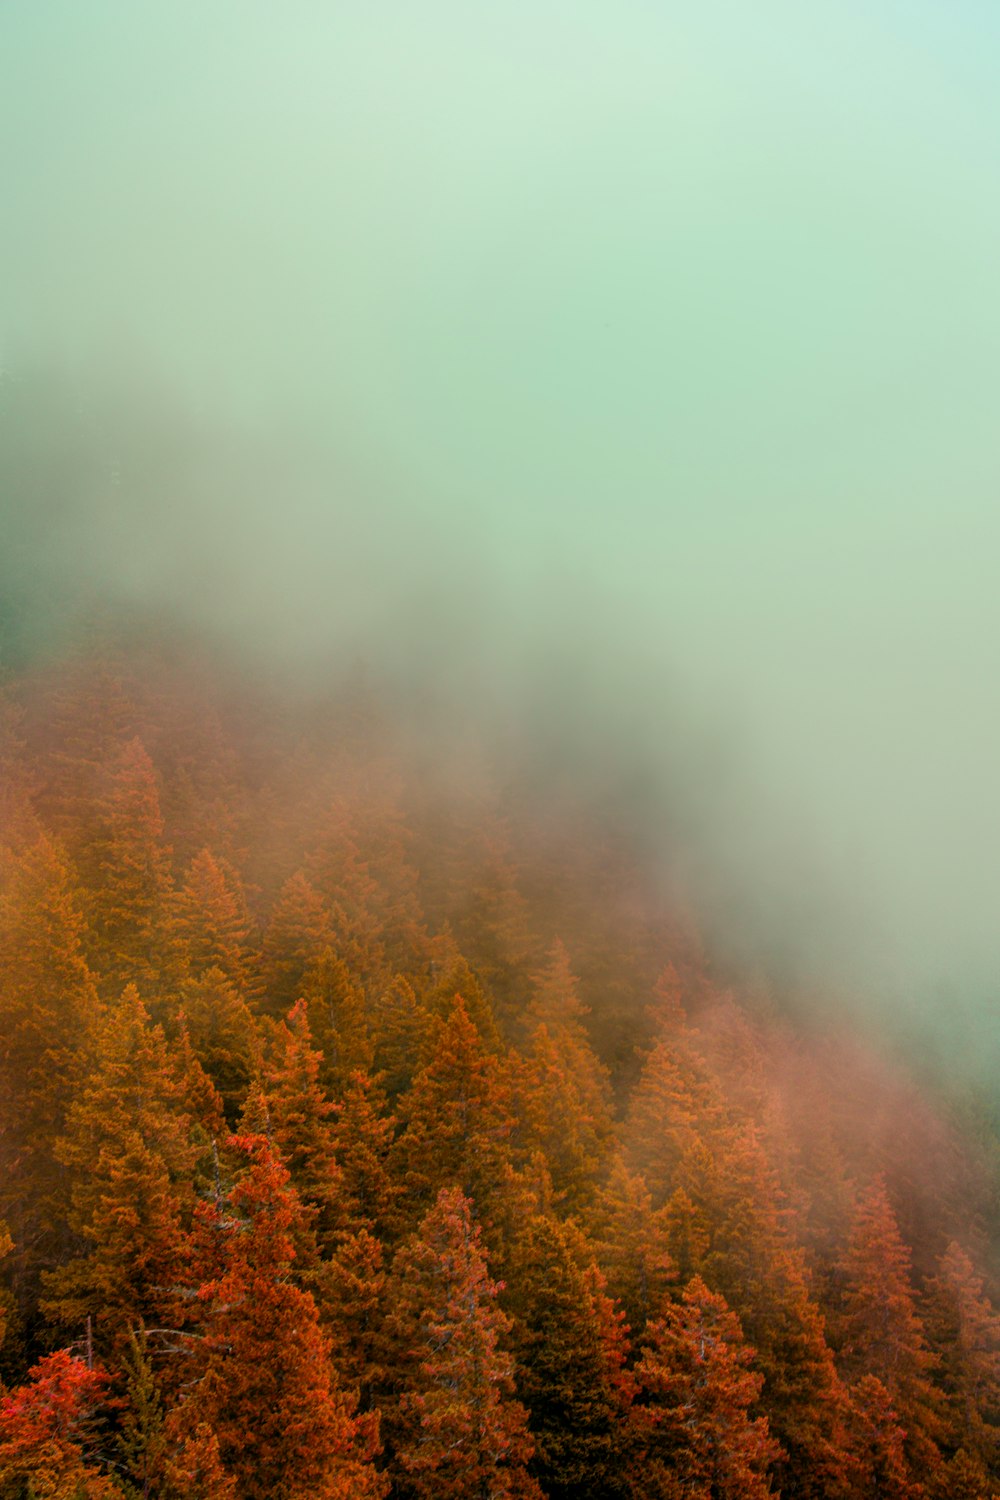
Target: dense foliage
x,y
369,1131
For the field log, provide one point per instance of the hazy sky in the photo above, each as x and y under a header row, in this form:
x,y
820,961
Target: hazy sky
x,y
651,349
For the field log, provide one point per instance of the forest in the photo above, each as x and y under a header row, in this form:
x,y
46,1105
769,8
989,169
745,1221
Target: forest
x,y
376,1123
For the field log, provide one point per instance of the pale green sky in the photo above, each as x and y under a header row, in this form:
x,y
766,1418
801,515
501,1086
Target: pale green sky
x,y
659,339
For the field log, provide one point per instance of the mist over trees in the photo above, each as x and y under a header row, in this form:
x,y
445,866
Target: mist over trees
x,y
373,1132
498,751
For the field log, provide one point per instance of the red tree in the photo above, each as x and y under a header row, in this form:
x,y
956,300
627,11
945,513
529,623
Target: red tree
x,y
49,1432
263,1380
696,1392
454,1427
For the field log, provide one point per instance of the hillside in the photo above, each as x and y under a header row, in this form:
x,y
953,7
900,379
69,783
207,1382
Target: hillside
x,y
378,1122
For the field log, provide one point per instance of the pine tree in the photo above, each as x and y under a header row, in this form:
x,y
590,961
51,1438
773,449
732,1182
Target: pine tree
x,y
965,1334
300,1128
336,1011
880,1331
403,1036
563,1109
48,1021
567,1371
210,925
128,903
454,1428
735,1214
878,1460
223,1035
130,1149
142,1441
193,1469
350,1291
696,1392
362,1145
49,1432
451,975
633,1246
456,1125
299,930
673,1105
262,1379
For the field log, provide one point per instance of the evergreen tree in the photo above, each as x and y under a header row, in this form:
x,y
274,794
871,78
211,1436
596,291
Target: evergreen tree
x,y
211,926
48,1021
130,1149
696,1394
299,930
142,1441
223,1035
567,1370
881,1333
301,1123
403,1036
451,975
335,1006
49,1433
736,1215
456,1125
633,1246
193,1469
454,1428
672,1106
350,1291
965,1335
129,900
878,1464
563,1111
262,1379
362,1141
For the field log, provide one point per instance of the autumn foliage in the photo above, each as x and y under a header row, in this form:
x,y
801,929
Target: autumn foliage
x,y
373,1132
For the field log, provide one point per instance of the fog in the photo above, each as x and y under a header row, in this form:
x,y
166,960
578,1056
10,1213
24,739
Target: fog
x,y
620,378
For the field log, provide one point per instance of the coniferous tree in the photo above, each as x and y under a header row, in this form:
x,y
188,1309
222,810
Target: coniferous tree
x,y
223,1035
453,1426
193,1468
567,1370
335,1006
632,1241
749,1256
456,1125
48,1024
672,1106
451,975
132,1154
49,1432
563,1111
877,1463
210,925
362,1139
693,1419
965,1333
299,930
129,900
262,1379
880,1331
142,1440
403,1036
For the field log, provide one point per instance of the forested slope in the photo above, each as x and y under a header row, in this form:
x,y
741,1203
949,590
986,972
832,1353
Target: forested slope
x,y
377,1126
